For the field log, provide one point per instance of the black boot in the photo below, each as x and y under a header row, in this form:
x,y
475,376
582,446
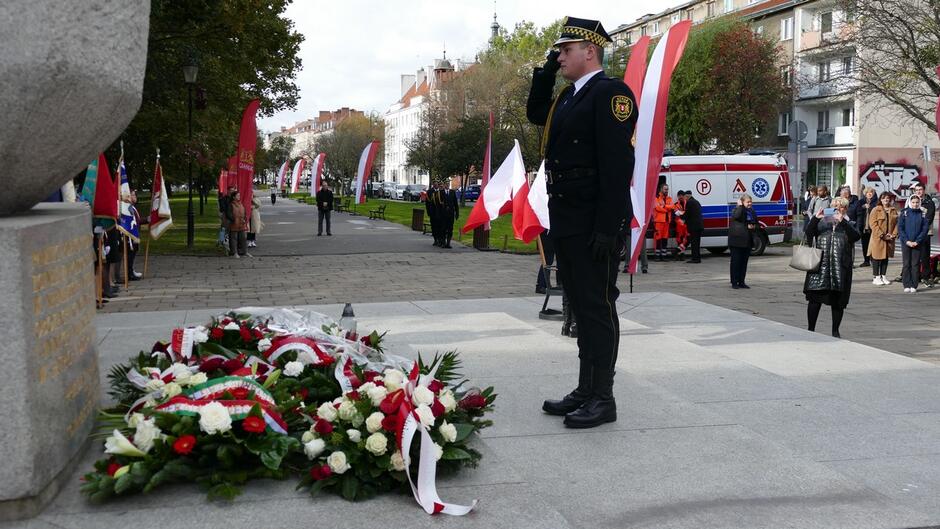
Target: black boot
x,y
600,408
576,398
573,331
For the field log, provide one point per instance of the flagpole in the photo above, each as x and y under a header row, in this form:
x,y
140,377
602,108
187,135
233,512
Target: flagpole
x,y
146,256
125,240
99,294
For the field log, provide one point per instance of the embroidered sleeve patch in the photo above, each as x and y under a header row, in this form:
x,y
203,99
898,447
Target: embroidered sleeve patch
x,y
622,107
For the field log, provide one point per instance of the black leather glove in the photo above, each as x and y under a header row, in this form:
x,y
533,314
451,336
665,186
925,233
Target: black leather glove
x,y
603,246
551,62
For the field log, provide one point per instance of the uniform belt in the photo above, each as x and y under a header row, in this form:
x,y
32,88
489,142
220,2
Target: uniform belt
x,y
569,175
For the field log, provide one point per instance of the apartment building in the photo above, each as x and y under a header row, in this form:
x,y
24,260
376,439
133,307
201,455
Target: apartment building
x,y
306,132
850,139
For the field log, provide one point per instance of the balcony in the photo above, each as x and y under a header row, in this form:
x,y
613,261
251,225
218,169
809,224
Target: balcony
x,y
815,40
830,88
835,136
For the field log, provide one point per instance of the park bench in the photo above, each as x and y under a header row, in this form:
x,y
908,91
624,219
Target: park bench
x,y
342,204
378,213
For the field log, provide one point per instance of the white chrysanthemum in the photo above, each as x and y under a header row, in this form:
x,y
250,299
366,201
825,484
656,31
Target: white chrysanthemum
x,y
180,372
264,344
145,434
198,378
448,432
171,390
314,448
292,369
200,335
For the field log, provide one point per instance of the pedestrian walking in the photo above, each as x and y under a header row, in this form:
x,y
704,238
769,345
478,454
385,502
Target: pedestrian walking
x,y
324,209
237,225
662,218
255,226
883,223
449,213
808,196
589,166
865,207
912,232
695,224
831,283
741,227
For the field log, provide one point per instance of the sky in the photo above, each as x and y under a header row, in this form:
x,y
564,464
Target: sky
x,y
355,51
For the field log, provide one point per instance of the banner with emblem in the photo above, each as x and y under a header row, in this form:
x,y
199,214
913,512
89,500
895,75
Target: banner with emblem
x,y
247,141
127,223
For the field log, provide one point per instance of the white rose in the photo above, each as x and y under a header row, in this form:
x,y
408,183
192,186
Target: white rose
x,y
307,437
314,448
180,372
347,410
292,369
337,462
198,378
365,387
357,420
171,390
448,401
327,412
448,432
264,344
377,394
425,415
374,422
119,445
354,435
214,418
422,395
200,335
135,420
154,384
397,462
145,434
232,326
438,452
394,379
377,443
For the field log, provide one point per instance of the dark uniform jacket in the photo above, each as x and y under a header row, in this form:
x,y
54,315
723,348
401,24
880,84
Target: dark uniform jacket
x,y
693,216
588,153
325,200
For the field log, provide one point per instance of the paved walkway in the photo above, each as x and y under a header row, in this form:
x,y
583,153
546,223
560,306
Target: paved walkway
x,y
370,261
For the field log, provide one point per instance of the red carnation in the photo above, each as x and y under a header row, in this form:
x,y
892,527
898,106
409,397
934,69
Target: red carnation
x,y
207,366
112,468
390,423
320,472
367,340
472,401
230,366
303,393
226,321
436,386
323,427
245,333
216,333
353,395
239,393
437,408
253,424
370,375
184,445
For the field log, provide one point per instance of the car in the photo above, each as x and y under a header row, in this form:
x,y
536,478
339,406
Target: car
x,y
398,192
386,190
473,193
412,192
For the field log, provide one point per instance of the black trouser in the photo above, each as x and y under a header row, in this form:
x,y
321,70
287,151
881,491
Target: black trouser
x,y
925,271
739,257
592,292
866,236
323,214
695,240
879,267
910,266
447,229
251,235
812,314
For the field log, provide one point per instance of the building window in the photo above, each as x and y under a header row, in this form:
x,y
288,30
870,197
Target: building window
x,y
783,128
824,71
675,17
656,28
643,31
628,39
847,65
786,29
729,6
689,15
822,120
825,22
785,75
710,9
848,117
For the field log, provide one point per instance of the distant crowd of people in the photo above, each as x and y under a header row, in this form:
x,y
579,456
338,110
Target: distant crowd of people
x,y
238,230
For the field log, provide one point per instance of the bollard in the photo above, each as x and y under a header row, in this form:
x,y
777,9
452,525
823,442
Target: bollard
x,y
505,242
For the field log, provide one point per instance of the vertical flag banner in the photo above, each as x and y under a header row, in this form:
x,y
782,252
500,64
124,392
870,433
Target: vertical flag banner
x,y
160,216
91,178
635,73
317,173
295,176
128,221
282,175
223,181
104,209
232,173
496,197
651,132
365,169
535,210
247,141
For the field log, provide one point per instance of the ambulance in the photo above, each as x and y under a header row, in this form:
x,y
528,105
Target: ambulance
x,y
717,182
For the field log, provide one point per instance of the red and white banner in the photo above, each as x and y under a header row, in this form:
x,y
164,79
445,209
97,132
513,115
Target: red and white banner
x,y
535,211
316,173
365,169
651,132
295,176
496,197
161,217
247,141
635,73
282,174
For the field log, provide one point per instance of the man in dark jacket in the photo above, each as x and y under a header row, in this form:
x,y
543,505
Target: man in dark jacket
x,y
450,212
930,211
324,209
695,224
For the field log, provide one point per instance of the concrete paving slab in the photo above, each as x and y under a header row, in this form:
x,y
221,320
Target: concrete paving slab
x,y
911,481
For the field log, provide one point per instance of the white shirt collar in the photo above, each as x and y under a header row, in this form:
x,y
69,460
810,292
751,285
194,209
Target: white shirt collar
x,y
584,79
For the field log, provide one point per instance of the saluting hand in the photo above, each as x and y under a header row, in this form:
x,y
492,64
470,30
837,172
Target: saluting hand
x,y
551,65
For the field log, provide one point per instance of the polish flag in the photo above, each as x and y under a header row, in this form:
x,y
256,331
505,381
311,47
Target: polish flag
x,y
317,173
365,169
496,198
282,174
535,212
636,69
651,131
295,176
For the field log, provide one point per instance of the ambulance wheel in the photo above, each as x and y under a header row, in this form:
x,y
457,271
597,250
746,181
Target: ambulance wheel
x,y
758,243
717,251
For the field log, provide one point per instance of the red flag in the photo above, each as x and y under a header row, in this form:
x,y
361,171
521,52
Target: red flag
x,y
535,209
161,217
479,210
223,181
232,173
496,197
106,193
520,203
636,68
365,169
247,140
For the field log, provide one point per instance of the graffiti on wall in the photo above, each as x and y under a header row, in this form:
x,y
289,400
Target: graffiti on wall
x,y
896,178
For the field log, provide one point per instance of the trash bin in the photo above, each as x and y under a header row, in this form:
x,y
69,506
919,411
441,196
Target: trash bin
x,y
417,219
481,238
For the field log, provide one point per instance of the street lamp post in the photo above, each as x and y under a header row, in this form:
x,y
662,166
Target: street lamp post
x,y
190,70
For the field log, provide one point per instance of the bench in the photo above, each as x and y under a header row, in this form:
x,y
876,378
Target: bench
x,y
342,204
378,213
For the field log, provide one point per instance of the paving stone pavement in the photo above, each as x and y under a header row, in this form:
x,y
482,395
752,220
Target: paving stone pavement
x,y
372,261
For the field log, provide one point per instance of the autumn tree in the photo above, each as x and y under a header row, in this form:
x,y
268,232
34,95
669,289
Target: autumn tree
x,y
343,146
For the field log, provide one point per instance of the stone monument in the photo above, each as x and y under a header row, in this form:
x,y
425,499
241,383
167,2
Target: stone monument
x,y
71,78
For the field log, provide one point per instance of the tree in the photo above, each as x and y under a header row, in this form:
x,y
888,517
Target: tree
x,y
243,50
343,147
723,89
898,51
424,147
278,153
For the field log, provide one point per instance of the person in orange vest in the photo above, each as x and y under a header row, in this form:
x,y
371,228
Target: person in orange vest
x,y
662,216
682,230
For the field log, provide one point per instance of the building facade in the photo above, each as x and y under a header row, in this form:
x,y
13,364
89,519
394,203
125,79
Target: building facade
x,y
306,132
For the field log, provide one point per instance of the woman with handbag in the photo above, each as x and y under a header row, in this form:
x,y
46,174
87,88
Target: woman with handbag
x,y
883,223
831,283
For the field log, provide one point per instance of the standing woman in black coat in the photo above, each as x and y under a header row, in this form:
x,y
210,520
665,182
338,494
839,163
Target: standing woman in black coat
x,y
741,228
831,283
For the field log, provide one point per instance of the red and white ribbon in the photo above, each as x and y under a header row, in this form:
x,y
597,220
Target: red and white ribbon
x,y
283,344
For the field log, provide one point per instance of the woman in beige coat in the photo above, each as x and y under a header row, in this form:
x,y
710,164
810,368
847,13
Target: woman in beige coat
x,y
883,222
255,226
